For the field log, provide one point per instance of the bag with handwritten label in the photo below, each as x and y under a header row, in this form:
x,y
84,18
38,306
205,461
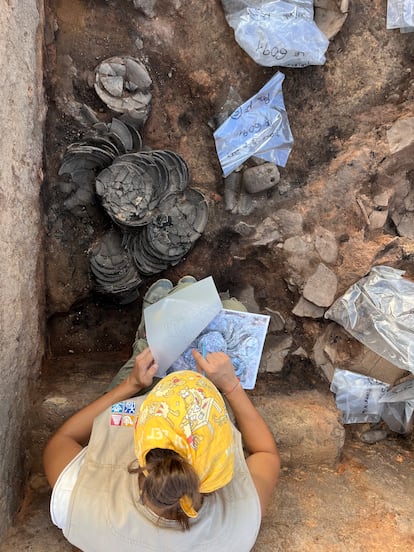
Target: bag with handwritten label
x,y
259,127
358,397
277,33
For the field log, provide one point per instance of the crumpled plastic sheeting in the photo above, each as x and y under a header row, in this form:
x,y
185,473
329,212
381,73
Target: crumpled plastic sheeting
x,y
259,127
278,32
398,407
358,397
379,312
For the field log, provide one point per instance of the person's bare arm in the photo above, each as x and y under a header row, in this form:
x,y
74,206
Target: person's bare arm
x,y
74,434
264,461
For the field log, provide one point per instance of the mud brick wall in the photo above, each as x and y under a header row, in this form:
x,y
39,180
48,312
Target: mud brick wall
x,y
21,116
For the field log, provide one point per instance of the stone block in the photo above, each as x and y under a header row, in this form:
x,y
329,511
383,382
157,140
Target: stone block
x,y
306,426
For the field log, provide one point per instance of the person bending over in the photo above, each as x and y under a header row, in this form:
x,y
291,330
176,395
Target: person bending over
x,y
166,470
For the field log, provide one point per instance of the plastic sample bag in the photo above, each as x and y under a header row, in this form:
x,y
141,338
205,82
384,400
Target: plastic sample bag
x,y
400,14
398,411
379,312
358,397
278,32
259,127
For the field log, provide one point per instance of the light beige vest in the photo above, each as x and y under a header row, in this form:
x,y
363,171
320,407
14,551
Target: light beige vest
x,y
105,513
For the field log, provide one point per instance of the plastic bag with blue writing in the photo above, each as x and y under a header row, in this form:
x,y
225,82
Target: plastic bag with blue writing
x,y
278,32
259,127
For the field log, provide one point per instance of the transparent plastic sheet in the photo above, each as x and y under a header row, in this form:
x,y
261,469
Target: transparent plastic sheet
x,y
400,15
379,312
176,320
277,33
398,407
259,127
358,397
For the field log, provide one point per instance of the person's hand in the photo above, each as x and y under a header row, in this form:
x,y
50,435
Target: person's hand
x,y
218,368
144,369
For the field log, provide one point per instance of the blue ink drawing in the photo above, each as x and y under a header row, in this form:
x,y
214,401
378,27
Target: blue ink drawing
x,y
239,334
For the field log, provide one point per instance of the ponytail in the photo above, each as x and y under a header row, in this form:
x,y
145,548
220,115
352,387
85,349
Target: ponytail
x,y
164,480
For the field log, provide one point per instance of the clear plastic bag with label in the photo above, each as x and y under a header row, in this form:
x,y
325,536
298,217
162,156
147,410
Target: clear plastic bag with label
x,y
358,397
259,127
278,32
400,15
398,407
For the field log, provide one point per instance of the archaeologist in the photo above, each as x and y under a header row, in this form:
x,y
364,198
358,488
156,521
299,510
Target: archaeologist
x,y
164,470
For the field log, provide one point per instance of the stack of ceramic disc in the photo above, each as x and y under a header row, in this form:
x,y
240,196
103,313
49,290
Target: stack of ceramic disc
x,y
123,84
171,234
98,149
113,269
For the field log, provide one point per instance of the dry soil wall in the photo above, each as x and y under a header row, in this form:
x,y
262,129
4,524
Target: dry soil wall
x,y
21,116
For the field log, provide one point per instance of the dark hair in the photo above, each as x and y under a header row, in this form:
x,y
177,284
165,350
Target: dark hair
x,y
165,478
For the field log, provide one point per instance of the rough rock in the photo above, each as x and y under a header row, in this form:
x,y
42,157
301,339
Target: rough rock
x,y
278,227
321,287
401,134
260,178
275,351
297,245
307,309
326,245
277,322
306,427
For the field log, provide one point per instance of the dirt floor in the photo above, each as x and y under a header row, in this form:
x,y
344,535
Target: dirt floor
x,y
363,503
339,114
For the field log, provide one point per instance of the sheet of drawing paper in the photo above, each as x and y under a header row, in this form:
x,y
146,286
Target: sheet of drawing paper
x,y
174,322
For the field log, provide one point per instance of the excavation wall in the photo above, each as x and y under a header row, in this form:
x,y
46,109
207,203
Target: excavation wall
x,y
21,114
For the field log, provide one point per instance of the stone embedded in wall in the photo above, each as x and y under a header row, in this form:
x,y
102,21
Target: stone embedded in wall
x,y
378,218
275,351
321,287
297,245
277,322
304,308
401,134
326,245
402,207
278,227
231,191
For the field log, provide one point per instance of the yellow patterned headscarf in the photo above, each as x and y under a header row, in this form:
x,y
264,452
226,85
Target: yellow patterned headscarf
x,y
185,413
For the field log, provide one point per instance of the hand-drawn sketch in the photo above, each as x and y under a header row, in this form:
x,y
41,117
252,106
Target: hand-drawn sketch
x,y
239,334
